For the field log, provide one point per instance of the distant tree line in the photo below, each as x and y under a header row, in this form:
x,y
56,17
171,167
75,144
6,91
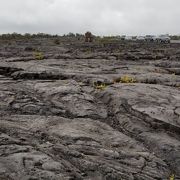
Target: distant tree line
x,y
38,35
15,35
175,37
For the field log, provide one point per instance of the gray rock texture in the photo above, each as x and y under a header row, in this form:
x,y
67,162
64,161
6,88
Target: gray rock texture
x,y
89,111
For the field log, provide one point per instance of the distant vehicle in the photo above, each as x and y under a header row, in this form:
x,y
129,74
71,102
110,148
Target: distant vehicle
x,y
150,38
140,38
128,38
160,38
163,39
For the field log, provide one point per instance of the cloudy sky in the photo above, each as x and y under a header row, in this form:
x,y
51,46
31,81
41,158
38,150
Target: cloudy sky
x,y
102,17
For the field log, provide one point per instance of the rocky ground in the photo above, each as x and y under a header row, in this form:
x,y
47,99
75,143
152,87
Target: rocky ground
x,y
96,111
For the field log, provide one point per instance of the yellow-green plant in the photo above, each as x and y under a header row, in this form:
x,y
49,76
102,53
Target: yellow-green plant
x,y
172,177
125,79
38,55
99,85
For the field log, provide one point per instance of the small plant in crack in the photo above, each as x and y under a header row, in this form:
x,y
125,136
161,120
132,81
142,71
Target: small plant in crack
x,y
172,177
38,55
99,85
125,79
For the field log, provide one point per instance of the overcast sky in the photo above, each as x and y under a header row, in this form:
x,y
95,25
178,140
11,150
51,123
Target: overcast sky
x,y
102,17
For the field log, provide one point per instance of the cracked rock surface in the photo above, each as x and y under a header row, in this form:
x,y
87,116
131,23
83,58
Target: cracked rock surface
x,y
72,116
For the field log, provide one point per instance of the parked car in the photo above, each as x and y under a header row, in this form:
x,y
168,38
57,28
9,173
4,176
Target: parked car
x,y
128,37
140,38
149,38
163,39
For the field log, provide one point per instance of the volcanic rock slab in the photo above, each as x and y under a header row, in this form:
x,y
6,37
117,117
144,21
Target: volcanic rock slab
x,y
72,116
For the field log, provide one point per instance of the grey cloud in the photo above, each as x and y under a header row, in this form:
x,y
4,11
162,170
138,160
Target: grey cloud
x,y
99,16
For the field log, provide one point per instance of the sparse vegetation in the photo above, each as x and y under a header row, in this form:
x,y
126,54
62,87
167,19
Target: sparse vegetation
x,y
56,41
172,177
107,39
99,85
125,79
88,51
38,55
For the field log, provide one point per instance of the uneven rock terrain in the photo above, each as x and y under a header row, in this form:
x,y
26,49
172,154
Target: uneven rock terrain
x,y
89,111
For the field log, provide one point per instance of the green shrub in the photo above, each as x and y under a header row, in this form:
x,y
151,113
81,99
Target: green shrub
x,y
38,55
